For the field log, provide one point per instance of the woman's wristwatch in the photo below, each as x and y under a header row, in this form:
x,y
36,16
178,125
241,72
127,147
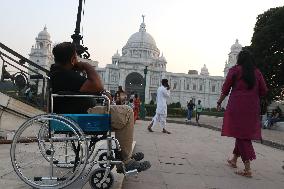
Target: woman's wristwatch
x,y
219,103
105,92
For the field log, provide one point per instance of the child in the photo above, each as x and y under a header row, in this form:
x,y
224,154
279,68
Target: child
x,y
198,111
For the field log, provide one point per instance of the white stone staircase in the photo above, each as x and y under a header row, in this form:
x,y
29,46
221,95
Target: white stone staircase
x,y
13,113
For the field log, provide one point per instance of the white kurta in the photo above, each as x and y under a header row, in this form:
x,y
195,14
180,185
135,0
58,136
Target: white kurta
x,y
161,112
162,95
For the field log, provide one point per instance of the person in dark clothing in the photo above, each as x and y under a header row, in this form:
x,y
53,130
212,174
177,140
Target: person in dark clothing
x,y
65,75
190,108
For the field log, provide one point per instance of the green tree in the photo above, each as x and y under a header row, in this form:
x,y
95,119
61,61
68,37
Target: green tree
x,y
267,46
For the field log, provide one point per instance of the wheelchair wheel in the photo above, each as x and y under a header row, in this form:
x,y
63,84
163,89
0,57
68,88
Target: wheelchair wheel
x,y
103,157
97,177
65,160
37,133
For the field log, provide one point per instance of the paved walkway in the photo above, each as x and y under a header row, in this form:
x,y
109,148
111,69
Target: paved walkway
x,y
273,137
195,158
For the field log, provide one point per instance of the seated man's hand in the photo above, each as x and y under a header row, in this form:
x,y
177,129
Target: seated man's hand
x,y
80,66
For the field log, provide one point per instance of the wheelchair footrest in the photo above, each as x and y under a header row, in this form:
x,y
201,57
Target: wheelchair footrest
x,y
131,173
49,178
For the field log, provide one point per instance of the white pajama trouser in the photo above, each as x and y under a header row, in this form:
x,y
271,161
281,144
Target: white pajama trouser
x,y
160,119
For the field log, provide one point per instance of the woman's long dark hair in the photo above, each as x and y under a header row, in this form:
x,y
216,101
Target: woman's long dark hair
x,y
246,61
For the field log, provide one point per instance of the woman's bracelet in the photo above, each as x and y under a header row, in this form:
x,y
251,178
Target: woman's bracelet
x,y
219,103
105,92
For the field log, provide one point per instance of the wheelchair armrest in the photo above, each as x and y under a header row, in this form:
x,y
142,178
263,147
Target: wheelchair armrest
x,y
76,93
75,102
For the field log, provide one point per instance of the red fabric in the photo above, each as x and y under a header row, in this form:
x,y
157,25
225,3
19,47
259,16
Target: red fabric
x,y
136,108
244,149
242,115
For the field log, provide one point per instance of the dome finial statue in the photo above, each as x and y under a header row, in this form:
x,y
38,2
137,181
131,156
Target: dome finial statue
x,y
142,25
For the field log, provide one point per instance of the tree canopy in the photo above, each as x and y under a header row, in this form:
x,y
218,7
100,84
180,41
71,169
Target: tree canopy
x,y
267,46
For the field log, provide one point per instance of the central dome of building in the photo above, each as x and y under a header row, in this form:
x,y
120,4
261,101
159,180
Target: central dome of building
x,y
141,44
141,38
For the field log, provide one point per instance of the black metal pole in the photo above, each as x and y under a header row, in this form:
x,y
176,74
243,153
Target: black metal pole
x,y
77,37
143,110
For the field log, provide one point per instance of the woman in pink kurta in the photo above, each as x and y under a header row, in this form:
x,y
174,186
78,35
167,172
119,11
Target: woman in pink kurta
x,y
245,84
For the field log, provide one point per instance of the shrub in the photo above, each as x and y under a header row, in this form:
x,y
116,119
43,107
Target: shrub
x,y
174,105
177,112
152,102
150,109
216,114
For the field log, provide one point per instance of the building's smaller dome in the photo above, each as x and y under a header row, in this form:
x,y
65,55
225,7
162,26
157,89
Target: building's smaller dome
x,y
204,71
236,47
44,34
162,58
116,55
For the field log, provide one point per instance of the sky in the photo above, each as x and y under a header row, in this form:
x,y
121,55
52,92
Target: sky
x,y
189,33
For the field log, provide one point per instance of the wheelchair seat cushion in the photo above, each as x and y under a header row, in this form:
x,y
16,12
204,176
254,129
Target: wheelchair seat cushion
x,y
89,123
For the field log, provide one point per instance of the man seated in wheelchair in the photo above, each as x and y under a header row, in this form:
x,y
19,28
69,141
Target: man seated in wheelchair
x,y
65,75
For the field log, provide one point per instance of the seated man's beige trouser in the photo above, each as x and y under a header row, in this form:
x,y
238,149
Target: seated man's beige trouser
x,y
122,123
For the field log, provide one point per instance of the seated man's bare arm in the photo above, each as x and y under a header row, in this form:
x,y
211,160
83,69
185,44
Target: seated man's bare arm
x,y
93,84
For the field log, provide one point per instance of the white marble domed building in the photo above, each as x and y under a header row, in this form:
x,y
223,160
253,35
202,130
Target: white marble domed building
x,y
140,51
127,70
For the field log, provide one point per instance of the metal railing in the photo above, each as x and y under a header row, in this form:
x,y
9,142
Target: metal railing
x,y
23,79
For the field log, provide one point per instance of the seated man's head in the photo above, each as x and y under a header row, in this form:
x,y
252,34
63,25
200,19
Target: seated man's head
x,y
65,54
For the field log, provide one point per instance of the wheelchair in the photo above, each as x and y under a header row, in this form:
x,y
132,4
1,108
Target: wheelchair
x,y
57,149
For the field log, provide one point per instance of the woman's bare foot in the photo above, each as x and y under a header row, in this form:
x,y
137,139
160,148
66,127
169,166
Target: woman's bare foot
x,y
232,163
245,173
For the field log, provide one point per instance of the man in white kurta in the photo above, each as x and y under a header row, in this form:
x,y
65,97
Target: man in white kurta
x,y
163,93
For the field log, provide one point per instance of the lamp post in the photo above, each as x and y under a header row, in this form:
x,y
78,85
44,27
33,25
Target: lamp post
x,y
143,110
77,37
